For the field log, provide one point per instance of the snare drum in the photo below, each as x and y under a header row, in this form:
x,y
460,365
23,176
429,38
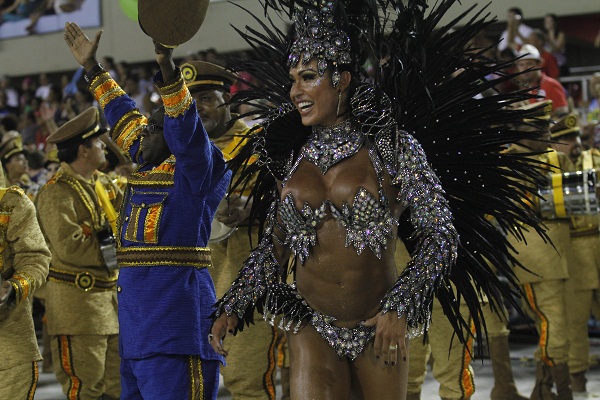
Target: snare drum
x,y
219,231
569,194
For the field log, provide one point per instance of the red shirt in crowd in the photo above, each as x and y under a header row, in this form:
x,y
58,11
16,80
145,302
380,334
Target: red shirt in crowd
x,y
551,89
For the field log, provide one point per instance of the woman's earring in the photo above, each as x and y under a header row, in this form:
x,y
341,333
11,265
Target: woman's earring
x,y
337,113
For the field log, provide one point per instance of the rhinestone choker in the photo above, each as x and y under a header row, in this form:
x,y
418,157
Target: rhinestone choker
x,y
327,145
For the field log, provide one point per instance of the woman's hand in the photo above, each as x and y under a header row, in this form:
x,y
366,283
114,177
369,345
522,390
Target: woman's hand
x,y
83,49
221,326
390,337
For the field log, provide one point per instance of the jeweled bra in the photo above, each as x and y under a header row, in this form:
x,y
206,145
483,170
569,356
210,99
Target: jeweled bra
x,y
368,221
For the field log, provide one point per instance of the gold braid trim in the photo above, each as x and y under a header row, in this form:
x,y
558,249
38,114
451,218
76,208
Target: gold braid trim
x,y
22,284
105,89
127,129
172,86
86,199
161,175
177,103
197,257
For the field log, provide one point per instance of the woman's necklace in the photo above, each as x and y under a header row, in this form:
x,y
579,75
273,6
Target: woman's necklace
x,y
327,145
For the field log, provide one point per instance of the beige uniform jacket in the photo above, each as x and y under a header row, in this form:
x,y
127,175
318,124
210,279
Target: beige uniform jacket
x,y
24,262
70,217
544,261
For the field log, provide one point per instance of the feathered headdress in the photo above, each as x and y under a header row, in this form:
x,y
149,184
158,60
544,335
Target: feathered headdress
x,y
427,79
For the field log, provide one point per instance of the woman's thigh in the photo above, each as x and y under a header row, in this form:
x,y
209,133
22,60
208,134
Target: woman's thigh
x,y
374,380
316,372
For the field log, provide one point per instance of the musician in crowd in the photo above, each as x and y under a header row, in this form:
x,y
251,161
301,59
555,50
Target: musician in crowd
x,y
582,287
544,278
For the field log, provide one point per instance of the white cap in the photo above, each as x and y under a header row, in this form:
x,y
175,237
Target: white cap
x,y
529,52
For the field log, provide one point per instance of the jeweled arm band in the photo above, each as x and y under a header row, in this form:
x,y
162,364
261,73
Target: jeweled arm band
x,y
437,244
259,286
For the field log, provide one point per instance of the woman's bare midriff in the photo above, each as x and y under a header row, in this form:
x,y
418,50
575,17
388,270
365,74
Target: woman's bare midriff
x,y
335,280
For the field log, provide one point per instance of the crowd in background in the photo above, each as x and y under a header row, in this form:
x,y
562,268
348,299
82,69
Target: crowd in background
x,y
35,105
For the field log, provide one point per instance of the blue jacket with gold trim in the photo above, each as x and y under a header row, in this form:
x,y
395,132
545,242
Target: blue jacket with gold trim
x,y
165,292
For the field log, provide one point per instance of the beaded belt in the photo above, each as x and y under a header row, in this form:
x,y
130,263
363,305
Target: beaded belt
x,y
83,280
197,257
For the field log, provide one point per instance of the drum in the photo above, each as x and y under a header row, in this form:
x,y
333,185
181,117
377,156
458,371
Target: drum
x,y
569,194
220,231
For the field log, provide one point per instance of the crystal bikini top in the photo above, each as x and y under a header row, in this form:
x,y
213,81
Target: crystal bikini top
x,y
368,220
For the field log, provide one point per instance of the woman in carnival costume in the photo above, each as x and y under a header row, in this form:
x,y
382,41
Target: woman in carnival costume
x,y
341,176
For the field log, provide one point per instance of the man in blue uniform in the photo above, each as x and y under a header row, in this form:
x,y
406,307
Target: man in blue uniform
x,y
165,292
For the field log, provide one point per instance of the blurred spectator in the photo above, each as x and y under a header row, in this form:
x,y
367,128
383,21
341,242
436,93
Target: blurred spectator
x,y
516,32
36,171
590,136
141,98
539,83
549,64
71,87
145,79
4,110
556,42
122,69
508,85
9,125
12,95
83,100
41,92
27,94
52,163
53,101
593,111
108,63
29,128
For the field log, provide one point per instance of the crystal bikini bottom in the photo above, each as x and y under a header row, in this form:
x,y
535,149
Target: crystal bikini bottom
x,y
347,342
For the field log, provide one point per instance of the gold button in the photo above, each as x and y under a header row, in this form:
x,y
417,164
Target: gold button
x,y
119,289
143,204
127,218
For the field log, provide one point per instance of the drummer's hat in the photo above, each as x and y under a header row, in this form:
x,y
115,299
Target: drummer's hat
x,y
171,22
566,126
202,75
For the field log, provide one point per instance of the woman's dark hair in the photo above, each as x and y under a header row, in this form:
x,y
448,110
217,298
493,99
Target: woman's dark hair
x,y
516,11
36,159
68,153
555,19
